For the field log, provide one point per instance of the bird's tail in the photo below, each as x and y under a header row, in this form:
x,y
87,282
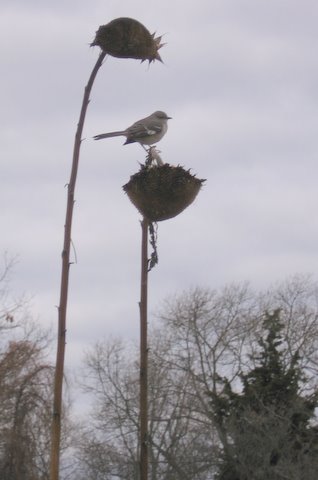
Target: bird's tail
x,y
107,135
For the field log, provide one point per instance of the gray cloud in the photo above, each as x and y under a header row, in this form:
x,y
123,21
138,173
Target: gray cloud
x,y
239,81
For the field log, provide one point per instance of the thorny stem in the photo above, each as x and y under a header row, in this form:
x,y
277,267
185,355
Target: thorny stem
x,y
60,354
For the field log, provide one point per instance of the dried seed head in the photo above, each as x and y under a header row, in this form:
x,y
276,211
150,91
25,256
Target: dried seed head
x,y
128,38
162,192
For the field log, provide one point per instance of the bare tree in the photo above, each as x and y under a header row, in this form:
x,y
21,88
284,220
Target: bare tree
x,y
109,447
26,383
10,308
177,449
24,391
201,337
26,380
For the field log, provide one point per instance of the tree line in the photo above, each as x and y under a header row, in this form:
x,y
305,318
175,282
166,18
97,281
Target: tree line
x,y
232,392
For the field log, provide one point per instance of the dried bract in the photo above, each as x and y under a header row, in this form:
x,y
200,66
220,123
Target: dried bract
x,y
128,38
162,192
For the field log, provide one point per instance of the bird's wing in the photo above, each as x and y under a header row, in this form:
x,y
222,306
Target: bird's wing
x,y
140,130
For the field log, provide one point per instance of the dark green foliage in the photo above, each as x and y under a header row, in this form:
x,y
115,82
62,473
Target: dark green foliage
x,y
266,428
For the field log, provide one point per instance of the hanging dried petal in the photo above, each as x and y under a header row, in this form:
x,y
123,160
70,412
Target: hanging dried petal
x,y
128,38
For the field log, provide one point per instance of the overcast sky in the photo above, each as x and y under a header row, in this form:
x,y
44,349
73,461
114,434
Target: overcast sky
x,y
239,78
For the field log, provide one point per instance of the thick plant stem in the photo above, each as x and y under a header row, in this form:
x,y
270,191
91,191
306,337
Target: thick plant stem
x,y
60,354
144,353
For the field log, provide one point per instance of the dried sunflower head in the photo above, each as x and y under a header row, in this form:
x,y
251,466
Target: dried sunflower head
x,y
162,192
127,38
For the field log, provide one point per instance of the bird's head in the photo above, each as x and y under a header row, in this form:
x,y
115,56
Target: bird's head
x,y
161,115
